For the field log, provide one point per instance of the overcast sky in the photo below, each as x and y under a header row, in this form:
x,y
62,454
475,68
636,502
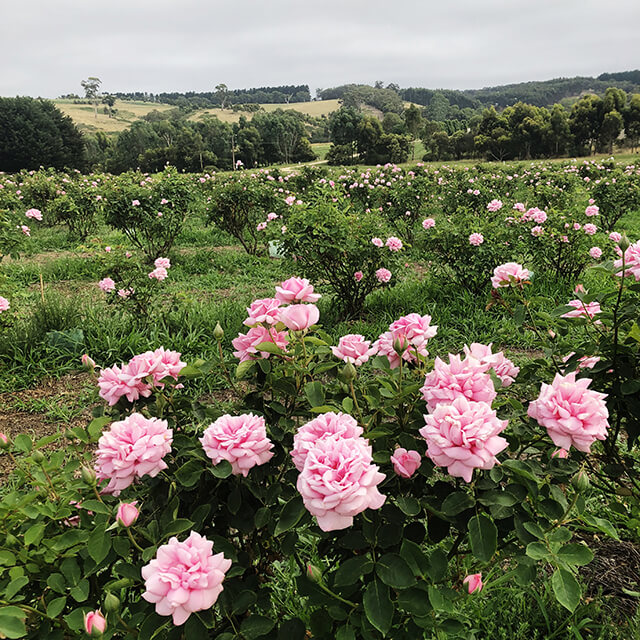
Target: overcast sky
x,y
48,46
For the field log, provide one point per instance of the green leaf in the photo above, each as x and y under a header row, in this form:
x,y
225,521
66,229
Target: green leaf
x,y
378,606
256,626
408,505
189,473
33,535
99,544
269,347
414,556
438,565
81,591
415,602
244,367
456,503
22,442
57,583
351,570
7,558
575,554
70,570
394,571
56,607
437,600
14,587
97,425
566,589
95,505
176,527
345,633
538,551
11,626
314,391
483,537
290,515
222,470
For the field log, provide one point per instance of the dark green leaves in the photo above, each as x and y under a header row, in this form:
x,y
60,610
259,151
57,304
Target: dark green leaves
x,y
378,606
394,571
483,537
290,515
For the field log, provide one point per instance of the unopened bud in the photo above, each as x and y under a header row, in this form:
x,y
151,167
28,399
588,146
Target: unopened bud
x,y
313,573
111,603
400,346
87,362
218,332
624,243
349,372
37,457
4,441
580,482
88,476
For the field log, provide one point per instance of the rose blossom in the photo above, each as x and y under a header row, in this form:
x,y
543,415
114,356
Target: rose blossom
x,y
595,252
127,513
494,205
299,317
405,463
296,290
592,210
242,440
614,236
25,230
358,275
115,382
560,453
631,261
87,361
572,413
519,206
326,425
353,348
503,367
158,364
339,481
457,378
383,275
132,448
427,223
394,244
581,309
537,231
159,273
165,263
474,582
264,310
107,285
4,304
407,335
377,242
590,229
184,577
36,214
261,226
476,239
94,621
507,273
245,344
463,436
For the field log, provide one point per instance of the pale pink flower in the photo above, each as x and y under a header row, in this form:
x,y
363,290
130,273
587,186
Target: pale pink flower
x,y
509,273
339,481
264,310
518,206
290,200
590,229
592,210
474,582
163,263
135,203
428,223
358,275
572,413
503,367
494,205
184,577
241,440
261,226
36,214
614,236
393,243
377,242
245,344
405,463
537,215
562,454
159,273
464,436
132,448
595,252
107,285
631,261
157,365
127,513
458,378
299,317
94,622
296,290
164,201
4,304
354,349
476,239
537,231
383,275
114,383
107,249
581,309
326,425
272,216
576,226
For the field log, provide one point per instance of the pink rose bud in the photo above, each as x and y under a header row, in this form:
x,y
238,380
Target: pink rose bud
x,y
127,513
87,362
560,453
405,463
314,573
4,441
474,582
94,623
299,317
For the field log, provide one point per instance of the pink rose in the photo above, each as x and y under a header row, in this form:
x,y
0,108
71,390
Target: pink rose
x,y
159,273
242,440
631,261
428,223
358,275
474,582
595,252
36,214
503,367
560,453
614,236
476,239
127,513
4,304
383,275
581,309
353,348
464,436
299,317
393,243
94,622
572,413
405,463
518,206
245,344
296,290
165,263
508,273
263,311
494,205
377,242
87,362
590,229
107,285
592,210
184,577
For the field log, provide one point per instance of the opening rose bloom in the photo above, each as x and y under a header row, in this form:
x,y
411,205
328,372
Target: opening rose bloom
x,y
428,223
299,317
476,239
595,252
184,577
132,448
458,378
165,263
128,381
339,425
572,413
263,311
474,582
407,337
503,367
614,236
36,214
358,275
377,242
127,513
4,304
494,205
505,274
242,440
631,261
582,309
592,210
94,622
405,463
107,285
339,481
464,436
353,348
383,275
245,344
296,290
159,273
393,243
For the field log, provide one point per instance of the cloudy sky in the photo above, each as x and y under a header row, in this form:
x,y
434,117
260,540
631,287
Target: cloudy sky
x,y
48,46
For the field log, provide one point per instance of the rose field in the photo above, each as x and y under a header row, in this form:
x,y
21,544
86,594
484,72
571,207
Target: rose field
x,y
384,402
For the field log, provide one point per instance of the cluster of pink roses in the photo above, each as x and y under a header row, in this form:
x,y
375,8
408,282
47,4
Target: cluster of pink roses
x,y
161,267
338,479
406,339
268,317
139,376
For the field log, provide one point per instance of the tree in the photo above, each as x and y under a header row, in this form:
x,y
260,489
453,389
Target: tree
x,y
414,122
91,88
438,108
584,122
393,123
221,94
560,133
632,121
614,100
610,129
109,100
494,136
343,125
